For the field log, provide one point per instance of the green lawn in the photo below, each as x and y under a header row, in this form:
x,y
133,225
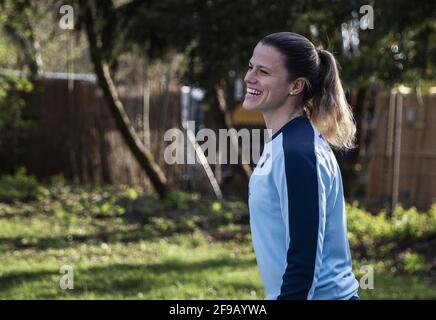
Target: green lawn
x,y
183,268
166,257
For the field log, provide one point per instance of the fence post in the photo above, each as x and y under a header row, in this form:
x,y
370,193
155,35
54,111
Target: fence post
x,y
397,151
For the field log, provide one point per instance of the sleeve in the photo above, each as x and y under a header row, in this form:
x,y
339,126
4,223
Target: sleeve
x,y
302,201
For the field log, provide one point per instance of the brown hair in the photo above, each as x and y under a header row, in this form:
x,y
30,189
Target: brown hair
x,y
323,96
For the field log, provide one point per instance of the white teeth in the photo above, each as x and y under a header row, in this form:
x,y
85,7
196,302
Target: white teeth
x,y
253,92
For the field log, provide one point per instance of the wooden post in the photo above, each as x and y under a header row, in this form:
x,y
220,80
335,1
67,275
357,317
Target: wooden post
x,y
421,120
397,151
390,142
146,110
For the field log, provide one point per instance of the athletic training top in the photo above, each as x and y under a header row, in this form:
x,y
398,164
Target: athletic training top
x,y
297,217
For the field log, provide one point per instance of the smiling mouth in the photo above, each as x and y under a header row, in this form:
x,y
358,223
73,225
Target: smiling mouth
x,y
253,92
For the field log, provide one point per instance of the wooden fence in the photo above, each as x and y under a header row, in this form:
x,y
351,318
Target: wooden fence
x,y
416,170
75,135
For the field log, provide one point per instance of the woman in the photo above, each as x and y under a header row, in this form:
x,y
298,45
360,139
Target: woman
x,y
296,201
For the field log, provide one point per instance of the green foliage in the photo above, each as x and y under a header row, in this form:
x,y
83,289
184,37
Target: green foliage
x,y
92,201
398,239
177,199
8,55
412,262
21,187
216,207
405,224
183,248
11,101
413,224
218,36
402,240
14,128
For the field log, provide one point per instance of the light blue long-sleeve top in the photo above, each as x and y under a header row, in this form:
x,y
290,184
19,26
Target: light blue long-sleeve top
x,y
298,219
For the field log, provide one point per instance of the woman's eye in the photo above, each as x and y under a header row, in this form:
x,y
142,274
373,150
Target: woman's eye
x,y
250,67
263,72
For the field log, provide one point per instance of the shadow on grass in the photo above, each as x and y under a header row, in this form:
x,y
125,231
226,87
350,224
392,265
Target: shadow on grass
x,y
130,278
44,243
107,235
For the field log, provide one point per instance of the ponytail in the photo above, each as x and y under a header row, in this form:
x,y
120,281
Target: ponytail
x,y
323,97
328,109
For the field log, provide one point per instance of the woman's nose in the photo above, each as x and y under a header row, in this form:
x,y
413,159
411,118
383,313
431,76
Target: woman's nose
x,y
249,77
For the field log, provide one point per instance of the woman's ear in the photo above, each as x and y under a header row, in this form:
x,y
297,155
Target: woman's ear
x,y
297,86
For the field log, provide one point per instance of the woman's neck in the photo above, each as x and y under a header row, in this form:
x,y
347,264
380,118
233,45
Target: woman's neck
x,y
277,118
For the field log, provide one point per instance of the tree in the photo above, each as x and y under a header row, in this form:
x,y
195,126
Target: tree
x,y
142,154
20,30
218,36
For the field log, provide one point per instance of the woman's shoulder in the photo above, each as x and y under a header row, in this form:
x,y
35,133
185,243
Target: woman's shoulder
x,y
299,139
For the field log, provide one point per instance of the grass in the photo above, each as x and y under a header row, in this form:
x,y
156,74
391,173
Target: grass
x,y
184,268
404,287
187,248
114,257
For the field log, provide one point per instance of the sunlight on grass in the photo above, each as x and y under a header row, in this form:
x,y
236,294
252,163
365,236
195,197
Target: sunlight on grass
x,y
183,248
188,268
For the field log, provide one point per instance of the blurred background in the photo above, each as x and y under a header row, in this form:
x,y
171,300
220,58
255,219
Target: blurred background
x,y
88,90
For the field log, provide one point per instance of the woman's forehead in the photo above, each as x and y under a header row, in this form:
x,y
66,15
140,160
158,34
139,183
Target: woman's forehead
x,y
267,56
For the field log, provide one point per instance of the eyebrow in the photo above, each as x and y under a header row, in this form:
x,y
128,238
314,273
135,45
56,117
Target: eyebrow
x,y
260,66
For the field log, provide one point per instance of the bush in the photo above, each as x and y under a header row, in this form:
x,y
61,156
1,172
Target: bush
x,y
411,262
379,236
15,127
21,187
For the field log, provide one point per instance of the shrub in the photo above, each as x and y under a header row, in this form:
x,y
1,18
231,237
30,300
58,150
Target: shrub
x,y
21,187
379,236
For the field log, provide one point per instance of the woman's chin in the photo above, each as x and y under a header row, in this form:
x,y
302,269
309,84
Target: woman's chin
x,y
249,105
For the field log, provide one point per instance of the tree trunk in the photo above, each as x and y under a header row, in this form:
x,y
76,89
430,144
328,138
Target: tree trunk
x,y
142,154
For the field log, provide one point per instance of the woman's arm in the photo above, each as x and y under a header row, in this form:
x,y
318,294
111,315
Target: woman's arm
x,y
301,188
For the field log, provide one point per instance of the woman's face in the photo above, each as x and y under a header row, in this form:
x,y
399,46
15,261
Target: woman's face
x,y
266,80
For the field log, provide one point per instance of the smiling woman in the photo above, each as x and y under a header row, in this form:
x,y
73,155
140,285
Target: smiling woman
x,y
266,79
296,200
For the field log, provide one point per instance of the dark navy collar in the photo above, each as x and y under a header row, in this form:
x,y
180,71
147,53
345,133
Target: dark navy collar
x,y
288,124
